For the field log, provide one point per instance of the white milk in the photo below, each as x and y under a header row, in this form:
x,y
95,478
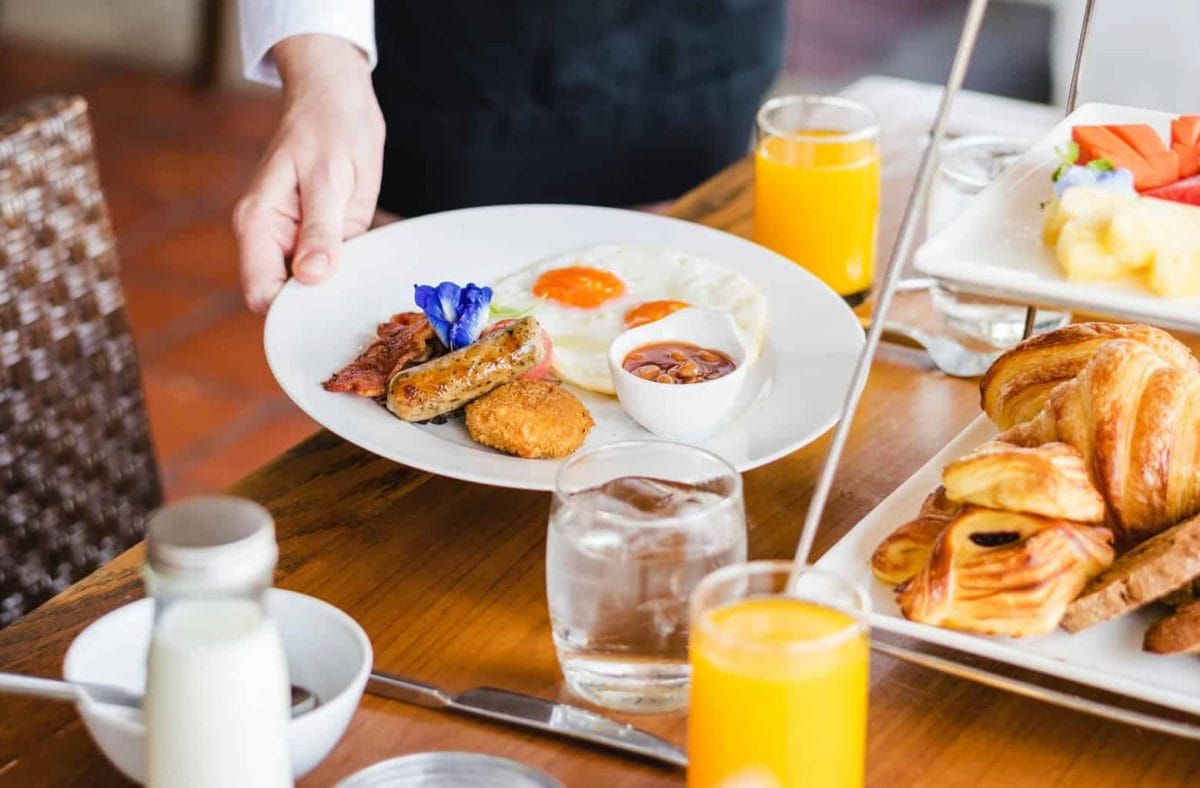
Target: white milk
x,y
217,697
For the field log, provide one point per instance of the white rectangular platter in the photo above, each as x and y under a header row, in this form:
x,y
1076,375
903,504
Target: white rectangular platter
x,y
1108,656
994,247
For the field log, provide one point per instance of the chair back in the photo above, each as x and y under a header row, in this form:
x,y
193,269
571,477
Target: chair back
x,y
77,469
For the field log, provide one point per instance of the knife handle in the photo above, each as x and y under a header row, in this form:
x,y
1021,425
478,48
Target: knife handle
x,y
418,693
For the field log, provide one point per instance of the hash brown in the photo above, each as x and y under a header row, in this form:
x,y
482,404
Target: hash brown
x,y
533,419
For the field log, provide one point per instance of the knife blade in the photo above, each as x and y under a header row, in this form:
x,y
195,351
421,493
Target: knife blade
x,y
530,712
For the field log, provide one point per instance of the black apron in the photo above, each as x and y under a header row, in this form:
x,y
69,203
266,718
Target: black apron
x,y
606,102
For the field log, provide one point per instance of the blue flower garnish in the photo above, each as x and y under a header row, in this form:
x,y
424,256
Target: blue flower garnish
x,y
456,314
1119,179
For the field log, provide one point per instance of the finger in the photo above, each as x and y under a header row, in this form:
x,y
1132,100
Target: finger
x,y
323,204
256,223
263,269
368,171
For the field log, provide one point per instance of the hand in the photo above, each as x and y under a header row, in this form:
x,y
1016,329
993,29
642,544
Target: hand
x,y
319,179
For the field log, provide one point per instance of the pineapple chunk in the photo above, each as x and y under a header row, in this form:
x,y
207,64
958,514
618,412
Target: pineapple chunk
x,y
1081,203
1132,238
1100,235
1176,272
1084,255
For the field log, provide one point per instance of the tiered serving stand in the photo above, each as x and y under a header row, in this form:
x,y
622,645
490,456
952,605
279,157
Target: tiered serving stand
x,y
936,657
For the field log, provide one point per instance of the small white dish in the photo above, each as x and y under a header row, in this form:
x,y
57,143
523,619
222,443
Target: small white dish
x,y
682,412
327,653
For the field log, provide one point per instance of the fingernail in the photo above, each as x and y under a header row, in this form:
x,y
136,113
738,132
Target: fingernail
x,y
315,266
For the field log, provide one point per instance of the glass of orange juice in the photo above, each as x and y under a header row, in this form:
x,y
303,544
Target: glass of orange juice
x,y
779,678
816,188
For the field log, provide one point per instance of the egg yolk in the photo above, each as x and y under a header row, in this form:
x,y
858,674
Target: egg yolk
x,y
650,311
579,286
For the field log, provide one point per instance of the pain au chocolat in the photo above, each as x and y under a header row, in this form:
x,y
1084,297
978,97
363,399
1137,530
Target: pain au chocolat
x,y
1005,573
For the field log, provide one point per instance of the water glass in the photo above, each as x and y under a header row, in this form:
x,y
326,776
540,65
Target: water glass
x,y
779,658
966,165
634,527
816,188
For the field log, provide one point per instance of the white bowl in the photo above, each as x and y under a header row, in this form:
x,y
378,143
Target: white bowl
x,y
327,653
682,412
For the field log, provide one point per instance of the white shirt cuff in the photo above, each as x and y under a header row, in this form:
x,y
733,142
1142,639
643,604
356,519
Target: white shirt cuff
x,y
264,23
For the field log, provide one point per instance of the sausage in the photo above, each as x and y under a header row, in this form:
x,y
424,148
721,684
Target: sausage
x,y
449,382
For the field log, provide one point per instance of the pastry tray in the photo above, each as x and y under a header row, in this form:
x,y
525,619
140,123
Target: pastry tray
x,y
1107,657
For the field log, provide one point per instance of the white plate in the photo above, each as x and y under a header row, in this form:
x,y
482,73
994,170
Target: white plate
x,y
792,395
995,246
1108,655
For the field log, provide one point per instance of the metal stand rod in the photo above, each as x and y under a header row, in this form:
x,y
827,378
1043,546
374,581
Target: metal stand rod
x,y
900,253
1030,321
1028,689
1085,33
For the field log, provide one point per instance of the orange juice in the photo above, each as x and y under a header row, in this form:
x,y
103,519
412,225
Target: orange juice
x,y
816,201
779,696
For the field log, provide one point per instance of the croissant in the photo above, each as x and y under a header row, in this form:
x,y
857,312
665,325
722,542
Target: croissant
x,y
1135,418
1050,480
902,554
1018,383
1005,573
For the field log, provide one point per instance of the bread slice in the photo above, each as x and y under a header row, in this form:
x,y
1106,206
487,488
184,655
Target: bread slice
x,y
1182,595
1151,570
1178,633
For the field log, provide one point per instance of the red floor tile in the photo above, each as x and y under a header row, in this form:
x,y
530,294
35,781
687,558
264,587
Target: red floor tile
x,y
202,249
225,465
229,354
175,172
156,308
185,414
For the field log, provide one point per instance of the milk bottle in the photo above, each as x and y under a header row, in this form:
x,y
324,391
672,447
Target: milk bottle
x,y
217,691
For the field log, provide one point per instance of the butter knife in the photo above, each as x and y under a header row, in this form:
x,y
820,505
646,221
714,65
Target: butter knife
x,y
530,712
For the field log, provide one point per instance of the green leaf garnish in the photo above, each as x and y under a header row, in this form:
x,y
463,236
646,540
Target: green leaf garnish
x,y
1100,165
509,313
1067,156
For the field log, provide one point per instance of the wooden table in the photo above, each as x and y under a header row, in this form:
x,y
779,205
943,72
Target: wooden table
x,y
447,579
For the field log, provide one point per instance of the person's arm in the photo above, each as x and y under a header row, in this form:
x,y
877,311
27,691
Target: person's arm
x,y
264,23
319,179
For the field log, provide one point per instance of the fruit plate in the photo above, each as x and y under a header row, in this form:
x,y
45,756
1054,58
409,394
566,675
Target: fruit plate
x,y
994,247
793,392
1107,656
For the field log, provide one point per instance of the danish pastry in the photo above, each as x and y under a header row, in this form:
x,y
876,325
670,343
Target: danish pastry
x,y
1005,573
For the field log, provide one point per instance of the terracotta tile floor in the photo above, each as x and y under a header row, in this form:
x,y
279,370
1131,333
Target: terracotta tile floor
x,y
172,161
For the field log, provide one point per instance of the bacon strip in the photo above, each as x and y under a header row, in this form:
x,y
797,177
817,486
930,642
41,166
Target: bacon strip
x,y
404,340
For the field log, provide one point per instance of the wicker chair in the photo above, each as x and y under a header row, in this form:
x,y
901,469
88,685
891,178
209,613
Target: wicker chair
x,y
77,469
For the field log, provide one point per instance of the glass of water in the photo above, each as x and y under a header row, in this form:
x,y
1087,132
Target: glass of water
x,y
966,165
634,527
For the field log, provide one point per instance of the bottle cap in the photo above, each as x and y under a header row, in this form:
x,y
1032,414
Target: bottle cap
x,y
214,539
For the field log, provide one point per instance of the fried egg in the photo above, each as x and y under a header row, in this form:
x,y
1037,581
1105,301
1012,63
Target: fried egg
x,y
585,298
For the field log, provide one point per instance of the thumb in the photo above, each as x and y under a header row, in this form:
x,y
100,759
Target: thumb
x,y
322,214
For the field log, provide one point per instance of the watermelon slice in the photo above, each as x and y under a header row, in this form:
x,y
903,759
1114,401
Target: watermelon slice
x,y
1186,191
1185,141
1135,148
